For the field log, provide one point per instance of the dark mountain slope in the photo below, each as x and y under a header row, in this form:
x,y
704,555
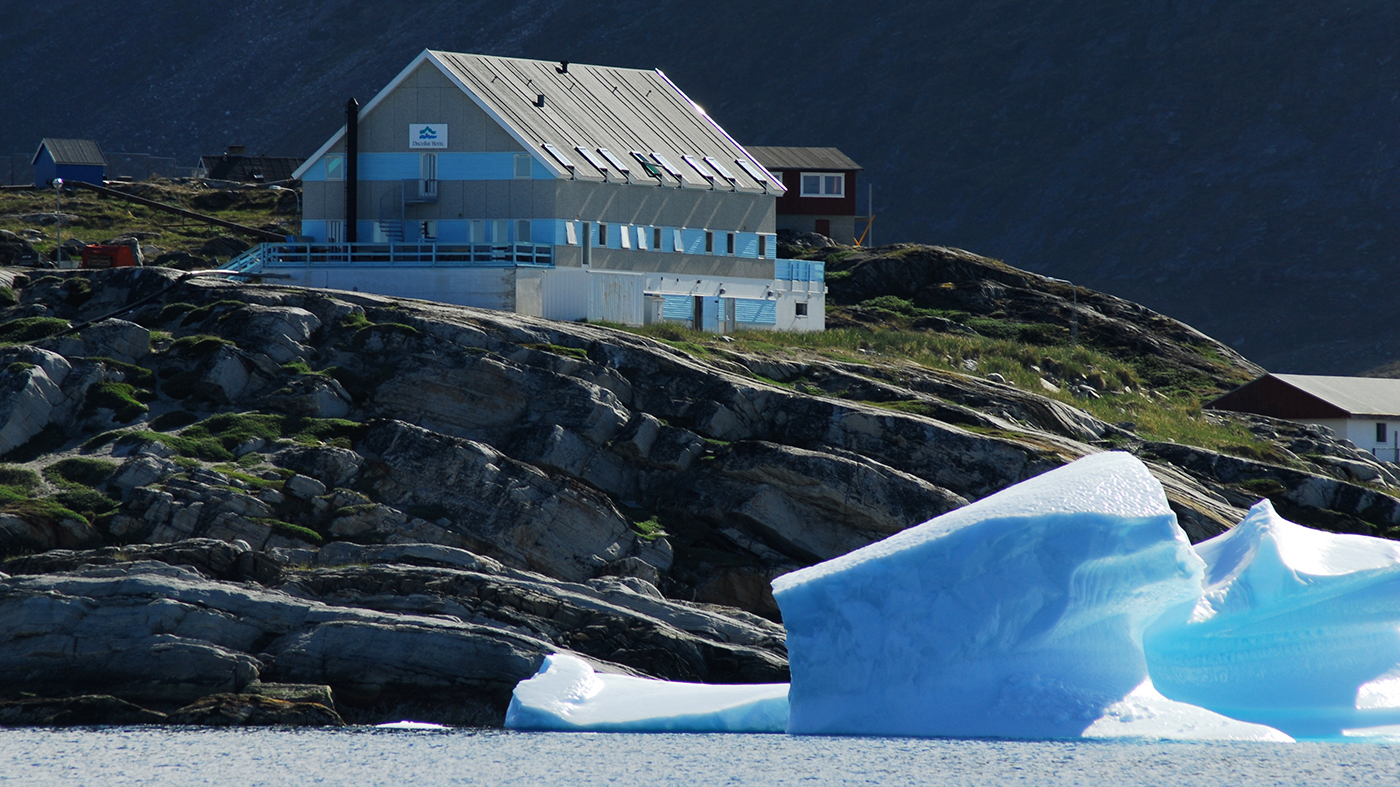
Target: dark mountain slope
x,y
1231,165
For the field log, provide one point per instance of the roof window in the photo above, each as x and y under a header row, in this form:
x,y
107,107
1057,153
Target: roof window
x,y
589,156
559,157
614,160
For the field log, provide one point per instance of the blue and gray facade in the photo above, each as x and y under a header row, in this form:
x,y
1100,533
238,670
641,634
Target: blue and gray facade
x,y
475,162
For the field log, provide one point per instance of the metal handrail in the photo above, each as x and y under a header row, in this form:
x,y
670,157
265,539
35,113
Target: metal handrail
x,y
410,254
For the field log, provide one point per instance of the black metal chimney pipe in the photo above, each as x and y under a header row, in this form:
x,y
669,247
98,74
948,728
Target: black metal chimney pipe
x,y
352,169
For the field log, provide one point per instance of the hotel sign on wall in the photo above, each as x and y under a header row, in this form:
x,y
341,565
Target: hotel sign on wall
x,y
427,135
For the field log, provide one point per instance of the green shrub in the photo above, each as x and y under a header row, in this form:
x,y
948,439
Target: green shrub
x,y
19,367
88,502
891,303
173,311
80,470
20,477
44,509
77,291
28,329
200,345
138,376
120,398
204,312
7,297
291,530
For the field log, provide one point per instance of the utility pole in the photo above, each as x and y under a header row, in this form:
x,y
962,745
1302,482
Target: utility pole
x,y
58,217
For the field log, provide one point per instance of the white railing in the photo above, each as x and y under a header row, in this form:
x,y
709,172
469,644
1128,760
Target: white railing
x,y
378,255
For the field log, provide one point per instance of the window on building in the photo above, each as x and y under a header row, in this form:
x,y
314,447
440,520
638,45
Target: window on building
x,y
677,241
522,166
335,167
801,309
427,230
335,231
476,231
427,166
823,184
602,234
571,233
763,245
1381,436
709,242
729,244
500,229
522,231
656,238
625,236
642,238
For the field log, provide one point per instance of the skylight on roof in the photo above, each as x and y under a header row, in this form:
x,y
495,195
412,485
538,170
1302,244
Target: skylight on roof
x,y
718,167
614,160
559,156
754,172
699,168
592,159
660,159
648,167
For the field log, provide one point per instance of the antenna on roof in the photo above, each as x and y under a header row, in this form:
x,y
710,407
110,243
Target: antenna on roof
x,y
563,67
539,101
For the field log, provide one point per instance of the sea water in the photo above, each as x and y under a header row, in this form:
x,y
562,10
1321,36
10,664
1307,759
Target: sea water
x,y
367,756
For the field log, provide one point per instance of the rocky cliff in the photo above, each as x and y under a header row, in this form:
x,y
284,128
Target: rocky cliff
x,y
227,487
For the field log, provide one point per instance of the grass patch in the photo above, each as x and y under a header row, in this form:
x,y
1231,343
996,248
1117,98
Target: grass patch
x,y
19,367
20,478
1264,487
7,297
214,438
28,329
236,471
138,376
291,530
80,471
90,503
1175,415
386,329
649,529
200,345
174,311
300,367
202,313
570,352
120,398
44,509
77,291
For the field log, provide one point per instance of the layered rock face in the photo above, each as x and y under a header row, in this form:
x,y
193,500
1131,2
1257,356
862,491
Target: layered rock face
x,y
414,503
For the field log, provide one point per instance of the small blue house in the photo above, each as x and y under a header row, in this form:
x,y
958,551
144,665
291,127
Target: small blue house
x,y
70,159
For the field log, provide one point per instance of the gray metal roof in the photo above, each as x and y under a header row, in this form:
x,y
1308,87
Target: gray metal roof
x,y
618,109
803,158
1359,396
82,152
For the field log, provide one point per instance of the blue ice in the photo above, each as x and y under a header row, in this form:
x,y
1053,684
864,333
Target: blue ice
x,y
1068,606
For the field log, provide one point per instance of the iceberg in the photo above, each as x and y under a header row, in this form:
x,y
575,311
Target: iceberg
x,y
1020,615
567,695
1297,628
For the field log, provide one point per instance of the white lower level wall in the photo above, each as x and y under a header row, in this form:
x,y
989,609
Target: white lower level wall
x,y
564,293
485,288
1363,433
